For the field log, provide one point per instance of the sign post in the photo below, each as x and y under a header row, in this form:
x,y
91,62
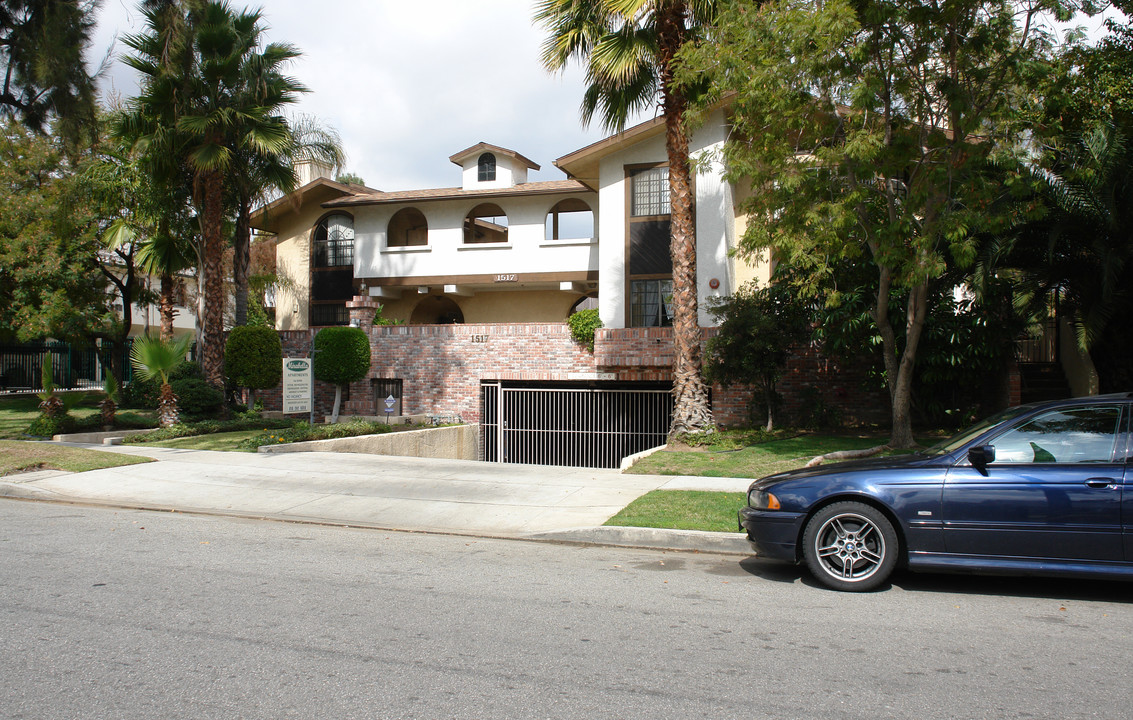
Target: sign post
x,y
389,406
297,386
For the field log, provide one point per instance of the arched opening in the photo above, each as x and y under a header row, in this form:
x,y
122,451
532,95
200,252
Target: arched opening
x,y
586,302
486,168
332,270
486,223
570,219
407,228
436,310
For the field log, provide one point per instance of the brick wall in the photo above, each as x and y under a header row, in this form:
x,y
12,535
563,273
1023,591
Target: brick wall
x,y
441,367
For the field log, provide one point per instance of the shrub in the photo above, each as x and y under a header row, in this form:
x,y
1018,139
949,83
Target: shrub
x,y
145,393
46,426
141,392
187,369
342,356
582,326
197,397
253,358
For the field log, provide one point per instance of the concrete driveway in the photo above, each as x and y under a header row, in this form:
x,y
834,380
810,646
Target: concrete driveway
x,y
346,488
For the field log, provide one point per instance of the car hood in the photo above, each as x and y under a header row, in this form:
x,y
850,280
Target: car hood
x,y
848,466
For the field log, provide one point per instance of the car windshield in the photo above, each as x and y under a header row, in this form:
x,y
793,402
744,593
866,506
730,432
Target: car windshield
x,y
965,436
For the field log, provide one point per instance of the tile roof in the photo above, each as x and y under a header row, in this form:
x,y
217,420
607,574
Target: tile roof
x,y
378,197
486,147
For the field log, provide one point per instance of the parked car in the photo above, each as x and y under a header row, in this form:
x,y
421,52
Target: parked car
x,y
1036,489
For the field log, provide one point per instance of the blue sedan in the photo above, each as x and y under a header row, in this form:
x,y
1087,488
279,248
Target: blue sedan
x,y
1036,489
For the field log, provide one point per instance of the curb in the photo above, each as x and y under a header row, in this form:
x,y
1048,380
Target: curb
x,y
608,536
651,538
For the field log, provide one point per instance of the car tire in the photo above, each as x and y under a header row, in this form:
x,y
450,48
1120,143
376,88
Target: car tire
x,y
850,546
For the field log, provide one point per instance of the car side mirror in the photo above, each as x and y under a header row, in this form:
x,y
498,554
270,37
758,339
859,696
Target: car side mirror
x,y
981,456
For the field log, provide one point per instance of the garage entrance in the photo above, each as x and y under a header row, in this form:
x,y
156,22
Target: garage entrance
x,y
580,424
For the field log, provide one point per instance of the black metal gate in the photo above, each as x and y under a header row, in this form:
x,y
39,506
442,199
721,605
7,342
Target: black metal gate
x,y
568,424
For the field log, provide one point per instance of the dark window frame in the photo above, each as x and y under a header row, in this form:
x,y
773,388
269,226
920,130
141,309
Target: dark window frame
x,y
486,167
656,269
332,252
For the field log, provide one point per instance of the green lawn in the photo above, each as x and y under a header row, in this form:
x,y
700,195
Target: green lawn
x,y
18,411
17,456
226,441
722,459
743,454
682,510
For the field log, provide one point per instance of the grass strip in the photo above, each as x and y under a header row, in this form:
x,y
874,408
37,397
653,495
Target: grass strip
x,y
19,456
682,510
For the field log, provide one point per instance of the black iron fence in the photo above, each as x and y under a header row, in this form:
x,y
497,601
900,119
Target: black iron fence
x,y
72,368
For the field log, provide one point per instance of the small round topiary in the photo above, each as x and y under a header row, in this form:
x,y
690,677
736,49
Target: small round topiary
x,y
253,357
342,355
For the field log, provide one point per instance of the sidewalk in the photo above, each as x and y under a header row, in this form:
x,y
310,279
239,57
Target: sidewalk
x,y
532,502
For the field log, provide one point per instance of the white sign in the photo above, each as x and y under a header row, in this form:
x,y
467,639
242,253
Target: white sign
x,y
296,385
592,376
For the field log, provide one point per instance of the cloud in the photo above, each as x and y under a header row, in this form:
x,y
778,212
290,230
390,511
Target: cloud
x,y
408,84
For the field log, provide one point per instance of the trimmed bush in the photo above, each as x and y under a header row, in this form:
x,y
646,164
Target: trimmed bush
x,y
342,356
253,358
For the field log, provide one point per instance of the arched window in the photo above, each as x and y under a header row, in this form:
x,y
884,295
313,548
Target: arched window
x,y
408,227
332,270
570,219
487,223
486,167
333,244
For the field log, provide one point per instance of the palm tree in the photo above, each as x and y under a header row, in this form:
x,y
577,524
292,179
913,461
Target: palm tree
x,y
154,358
196,113
256,176
628,48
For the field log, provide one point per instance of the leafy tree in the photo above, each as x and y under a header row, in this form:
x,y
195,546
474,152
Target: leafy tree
x,y
758,329
1078,247
50,282
876,129
628,48
342,356
349,179
41,47
253,359
154,358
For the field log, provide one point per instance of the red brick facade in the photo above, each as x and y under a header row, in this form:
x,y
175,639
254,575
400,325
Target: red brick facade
x,y
441,367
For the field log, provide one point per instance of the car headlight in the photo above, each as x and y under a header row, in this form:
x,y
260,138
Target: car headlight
x,y
762,500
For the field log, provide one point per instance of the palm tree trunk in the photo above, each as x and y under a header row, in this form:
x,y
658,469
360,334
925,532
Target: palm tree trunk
x,y
212,324
166,307
241,259
691,412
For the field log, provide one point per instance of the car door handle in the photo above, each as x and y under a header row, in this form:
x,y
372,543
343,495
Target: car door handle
x,y
1100,482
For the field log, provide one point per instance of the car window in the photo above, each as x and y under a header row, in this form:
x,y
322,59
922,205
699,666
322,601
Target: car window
x,y
1066,435
965,436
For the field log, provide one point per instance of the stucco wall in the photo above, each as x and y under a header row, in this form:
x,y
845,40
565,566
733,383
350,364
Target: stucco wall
x,y
715,219
293,264
446,254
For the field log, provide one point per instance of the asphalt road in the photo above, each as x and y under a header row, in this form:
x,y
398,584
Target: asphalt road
x,y
129,614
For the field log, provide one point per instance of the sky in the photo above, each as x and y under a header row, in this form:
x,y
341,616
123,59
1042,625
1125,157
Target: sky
x,y
407,84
